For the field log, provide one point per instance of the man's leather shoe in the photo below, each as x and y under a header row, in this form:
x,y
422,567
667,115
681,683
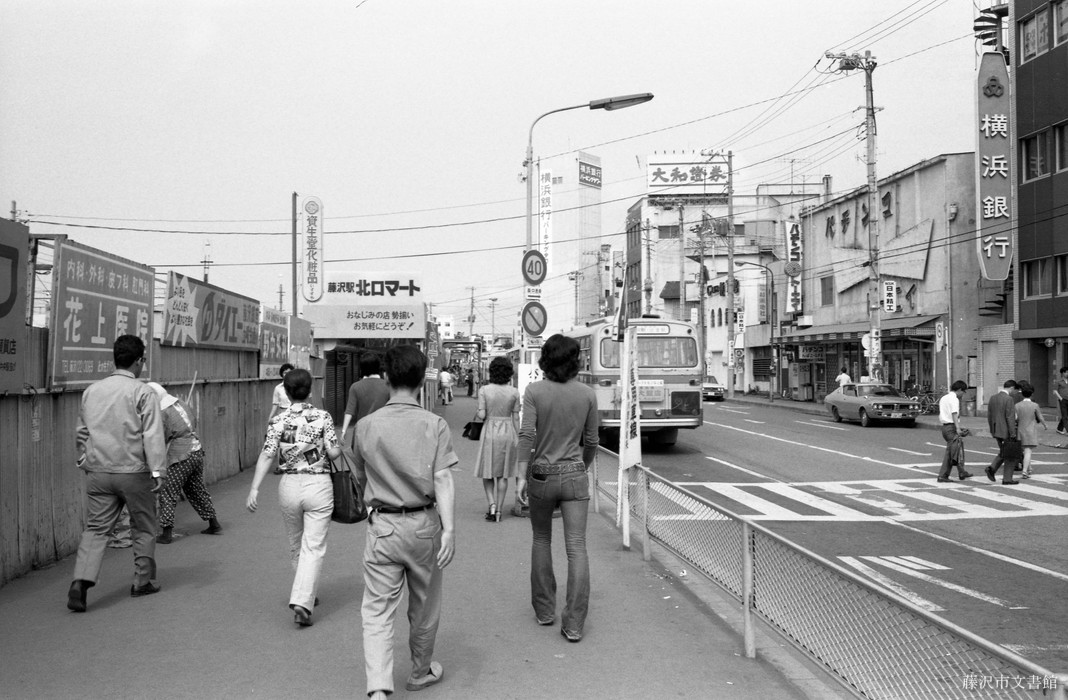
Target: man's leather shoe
x,y
301,616
944,480
145,589
990,474
966,475
433,675
1010,481
76,595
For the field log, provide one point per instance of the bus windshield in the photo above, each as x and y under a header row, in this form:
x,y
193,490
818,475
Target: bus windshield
x,y
657,351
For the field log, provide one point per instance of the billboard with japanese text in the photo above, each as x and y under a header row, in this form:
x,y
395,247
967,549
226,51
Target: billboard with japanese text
x,y
96,297
274,341
13,245
347,286
311,227
704,177
993,169
362,320
198,314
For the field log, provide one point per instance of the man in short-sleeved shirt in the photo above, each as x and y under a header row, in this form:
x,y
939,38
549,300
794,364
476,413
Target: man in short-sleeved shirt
x,y
949,416
403,456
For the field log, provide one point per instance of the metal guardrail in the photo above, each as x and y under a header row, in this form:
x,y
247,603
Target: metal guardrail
x,y
871,640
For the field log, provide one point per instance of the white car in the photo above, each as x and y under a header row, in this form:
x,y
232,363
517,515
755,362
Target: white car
x,y
711,390
869,403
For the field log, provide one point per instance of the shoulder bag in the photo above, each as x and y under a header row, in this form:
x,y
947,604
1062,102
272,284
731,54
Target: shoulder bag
x,y
349,506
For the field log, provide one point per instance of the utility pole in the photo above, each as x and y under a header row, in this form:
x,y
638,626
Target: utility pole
x,y
294,254
493,320
647,284
206,262
471,316
683,316
280,293
575,276
730,274
867,63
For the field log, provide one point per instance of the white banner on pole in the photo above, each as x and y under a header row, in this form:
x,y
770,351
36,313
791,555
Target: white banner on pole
x,y
630,429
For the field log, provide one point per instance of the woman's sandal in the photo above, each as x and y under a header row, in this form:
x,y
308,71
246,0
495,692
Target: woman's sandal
x,y
491,514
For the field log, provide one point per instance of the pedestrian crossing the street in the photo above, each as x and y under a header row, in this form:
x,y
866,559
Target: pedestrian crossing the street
x,y
903,500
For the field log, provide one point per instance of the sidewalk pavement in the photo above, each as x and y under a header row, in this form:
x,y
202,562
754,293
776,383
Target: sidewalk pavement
x,y
976,424
220,626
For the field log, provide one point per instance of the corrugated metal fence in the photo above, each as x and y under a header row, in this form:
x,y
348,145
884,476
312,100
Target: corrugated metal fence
x,y
42,493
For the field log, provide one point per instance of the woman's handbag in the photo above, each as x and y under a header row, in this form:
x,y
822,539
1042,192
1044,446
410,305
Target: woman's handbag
x,y
349,506
473,430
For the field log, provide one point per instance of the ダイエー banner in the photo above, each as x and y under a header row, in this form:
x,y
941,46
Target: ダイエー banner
x,y
198,314
96,298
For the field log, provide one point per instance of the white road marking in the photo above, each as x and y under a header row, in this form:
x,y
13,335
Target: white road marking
x,y
892,585
732,410
803,444
1025,649
758,422
910,452
993,600
809,499
922,562
987,552
825,424
767,509
732,466
916,563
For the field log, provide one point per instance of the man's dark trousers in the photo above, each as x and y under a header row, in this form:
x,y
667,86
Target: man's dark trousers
x,y
107,492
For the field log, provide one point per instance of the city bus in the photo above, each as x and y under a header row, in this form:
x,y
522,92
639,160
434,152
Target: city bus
x,y
669,375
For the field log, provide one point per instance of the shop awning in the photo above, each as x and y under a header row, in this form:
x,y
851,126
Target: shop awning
x,y
891,327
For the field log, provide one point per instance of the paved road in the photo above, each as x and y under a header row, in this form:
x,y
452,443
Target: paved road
x,y
220,626
991,558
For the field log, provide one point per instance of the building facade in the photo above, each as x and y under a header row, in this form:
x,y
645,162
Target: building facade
x,y
933,301
1038,41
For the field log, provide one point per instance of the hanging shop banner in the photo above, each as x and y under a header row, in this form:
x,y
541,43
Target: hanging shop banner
x,y
795,261
993,168
96,298
545,216
630,427
14,238
274,341
300,342
311,227
201,315
361,320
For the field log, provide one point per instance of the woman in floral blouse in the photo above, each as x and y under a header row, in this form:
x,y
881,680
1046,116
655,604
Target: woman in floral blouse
x,y
302,437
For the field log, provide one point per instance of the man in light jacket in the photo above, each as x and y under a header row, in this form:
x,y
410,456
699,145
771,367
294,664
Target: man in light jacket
x,y
124,455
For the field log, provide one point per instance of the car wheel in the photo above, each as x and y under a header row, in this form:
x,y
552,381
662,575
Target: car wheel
x,y
835,414
864,419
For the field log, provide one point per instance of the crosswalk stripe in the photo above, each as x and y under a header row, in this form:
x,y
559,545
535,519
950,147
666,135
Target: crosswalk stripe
x,y
811,499
893,585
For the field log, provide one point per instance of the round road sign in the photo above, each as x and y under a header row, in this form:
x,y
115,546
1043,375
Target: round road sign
x,y
534,268
534,319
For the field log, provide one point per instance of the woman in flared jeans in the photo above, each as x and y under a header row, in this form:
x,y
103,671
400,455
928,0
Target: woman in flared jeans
x,y
557,445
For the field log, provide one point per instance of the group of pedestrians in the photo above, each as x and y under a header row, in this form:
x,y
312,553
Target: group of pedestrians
x,y
1013,419
137,441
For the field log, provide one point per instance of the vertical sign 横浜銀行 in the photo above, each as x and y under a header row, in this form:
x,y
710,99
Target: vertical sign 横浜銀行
x,y
96,297
993,169
13,240
311,217
545,215
589,174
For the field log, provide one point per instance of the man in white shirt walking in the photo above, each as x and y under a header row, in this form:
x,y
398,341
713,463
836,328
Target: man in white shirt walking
x,y
952,433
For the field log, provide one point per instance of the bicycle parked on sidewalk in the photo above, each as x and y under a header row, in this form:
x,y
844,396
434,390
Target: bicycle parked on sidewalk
x,y
927,398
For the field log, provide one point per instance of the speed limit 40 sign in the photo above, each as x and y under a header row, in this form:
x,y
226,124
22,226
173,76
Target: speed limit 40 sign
x,y
534,268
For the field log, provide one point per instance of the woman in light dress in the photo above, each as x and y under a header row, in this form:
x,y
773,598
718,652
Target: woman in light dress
x,y
1028,418
498,409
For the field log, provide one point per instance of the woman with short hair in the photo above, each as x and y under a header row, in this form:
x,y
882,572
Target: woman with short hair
x,y
302,437
557,445
497,458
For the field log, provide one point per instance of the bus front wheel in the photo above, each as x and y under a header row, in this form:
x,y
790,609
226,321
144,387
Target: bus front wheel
x,y
665,436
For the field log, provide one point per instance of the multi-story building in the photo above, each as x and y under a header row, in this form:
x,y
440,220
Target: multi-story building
x,y
933,301
1038,51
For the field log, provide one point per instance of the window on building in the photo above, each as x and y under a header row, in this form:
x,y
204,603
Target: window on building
x,y
1062,274
1060,144
719,312
1034,35
1060,22
827,290
1034,156
1038,277
669,231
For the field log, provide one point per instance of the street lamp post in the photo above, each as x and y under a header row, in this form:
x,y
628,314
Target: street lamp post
x,y
772,385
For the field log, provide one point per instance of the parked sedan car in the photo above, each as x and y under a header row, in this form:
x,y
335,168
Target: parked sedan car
x,y
712,390
872,402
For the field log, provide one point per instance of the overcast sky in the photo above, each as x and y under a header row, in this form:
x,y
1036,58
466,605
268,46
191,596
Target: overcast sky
x,y
205,117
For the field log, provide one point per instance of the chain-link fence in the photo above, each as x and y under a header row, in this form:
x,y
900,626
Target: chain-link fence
x,y
874,642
